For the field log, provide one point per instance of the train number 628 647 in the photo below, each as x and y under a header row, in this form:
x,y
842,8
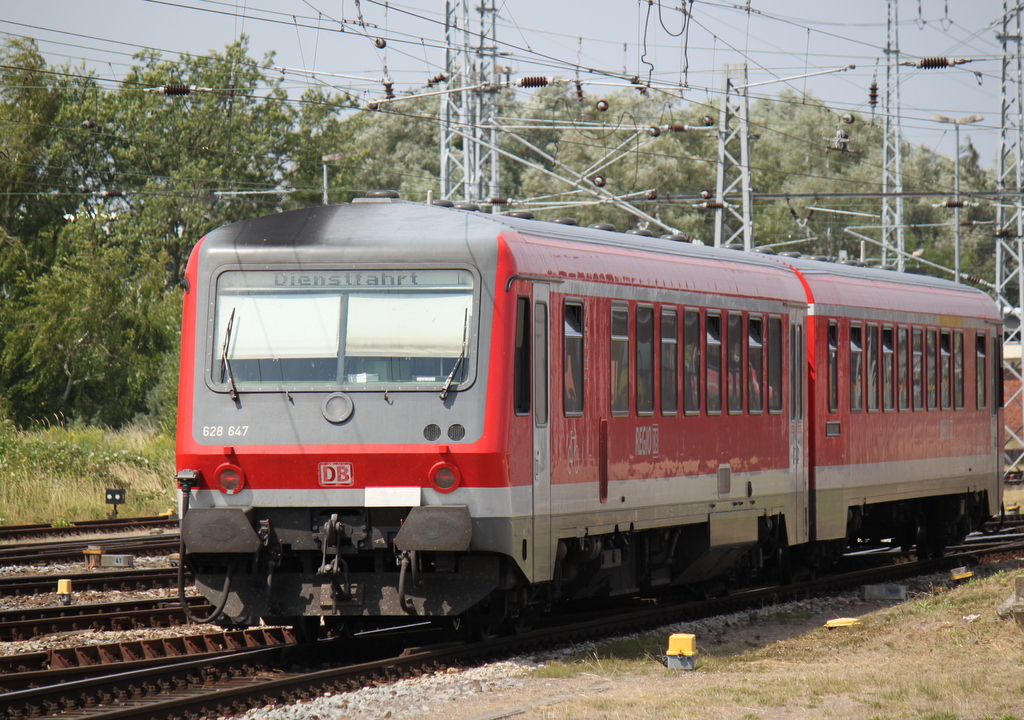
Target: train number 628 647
x,y
218,430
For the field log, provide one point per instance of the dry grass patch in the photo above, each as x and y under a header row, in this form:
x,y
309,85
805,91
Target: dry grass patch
x,y
925,659
1013,495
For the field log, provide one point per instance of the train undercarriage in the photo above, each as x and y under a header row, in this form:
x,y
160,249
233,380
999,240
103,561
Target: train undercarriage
x,y
351,567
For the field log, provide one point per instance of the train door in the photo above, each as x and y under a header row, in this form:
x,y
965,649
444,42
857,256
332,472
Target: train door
x,y
541,435
798,368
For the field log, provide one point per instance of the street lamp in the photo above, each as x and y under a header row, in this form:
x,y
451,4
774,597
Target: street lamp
x,y
956,123
326,159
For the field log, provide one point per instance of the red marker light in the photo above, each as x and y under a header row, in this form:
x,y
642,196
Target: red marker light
x,y
230,478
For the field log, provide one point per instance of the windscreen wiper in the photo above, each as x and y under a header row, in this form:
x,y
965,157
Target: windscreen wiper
x,y
461,358
224,356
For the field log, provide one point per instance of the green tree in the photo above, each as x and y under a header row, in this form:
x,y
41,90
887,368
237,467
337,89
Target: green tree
x,y
87,338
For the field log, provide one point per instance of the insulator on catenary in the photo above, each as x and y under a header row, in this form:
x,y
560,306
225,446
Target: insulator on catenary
x,y
954,204
498,201
579,91
111,194
389,92
635,81
873,94
534,81
712,205
707,194
657,130
932,63
88,124
381,43
174,89
602,105
440,78
600,181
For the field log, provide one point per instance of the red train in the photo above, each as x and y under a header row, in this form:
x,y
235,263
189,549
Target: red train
x,y
392,409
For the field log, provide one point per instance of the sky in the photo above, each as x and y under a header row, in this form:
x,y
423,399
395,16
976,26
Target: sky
x,y
603,42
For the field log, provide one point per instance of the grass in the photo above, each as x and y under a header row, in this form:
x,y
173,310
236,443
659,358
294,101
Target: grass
x,y
923,659
57,475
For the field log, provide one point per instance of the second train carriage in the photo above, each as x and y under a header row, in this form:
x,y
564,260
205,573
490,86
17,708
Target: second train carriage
x,y
388,408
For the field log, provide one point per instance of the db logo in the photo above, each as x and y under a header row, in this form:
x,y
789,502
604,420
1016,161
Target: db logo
x,y
336,474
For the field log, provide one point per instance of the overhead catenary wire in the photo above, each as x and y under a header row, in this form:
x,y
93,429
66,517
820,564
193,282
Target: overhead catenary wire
x,y
574,64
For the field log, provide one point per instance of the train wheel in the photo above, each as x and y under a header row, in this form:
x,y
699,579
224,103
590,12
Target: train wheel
x,y
784,565
921,538
475,629
306,628
938,538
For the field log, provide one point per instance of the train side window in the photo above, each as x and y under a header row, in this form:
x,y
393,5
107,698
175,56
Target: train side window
x,y
958,369
691,362
540,364
713,373
644,360
774,365
997,373
620,360
856,368
801,371
917,369
887,368
871,350
521,373
793,405
902,368
734,343
945,352
931,368
980,367
833,366
755,364
796,372
669,362
572,347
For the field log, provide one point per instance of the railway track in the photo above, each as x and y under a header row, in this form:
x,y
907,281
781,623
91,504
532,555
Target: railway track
x,y
12,532
24,624
72,550
234,681
140,579
28,670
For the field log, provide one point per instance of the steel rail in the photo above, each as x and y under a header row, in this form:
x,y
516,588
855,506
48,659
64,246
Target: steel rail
x,y
90,580
8,532
25,624
74,550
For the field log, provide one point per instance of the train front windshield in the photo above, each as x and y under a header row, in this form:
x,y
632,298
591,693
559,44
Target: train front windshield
x,y
374,328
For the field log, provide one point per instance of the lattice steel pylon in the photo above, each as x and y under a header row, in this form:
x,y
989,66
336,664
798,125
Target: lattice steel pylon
x,y
733,141
1010,227
892,151
467,116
